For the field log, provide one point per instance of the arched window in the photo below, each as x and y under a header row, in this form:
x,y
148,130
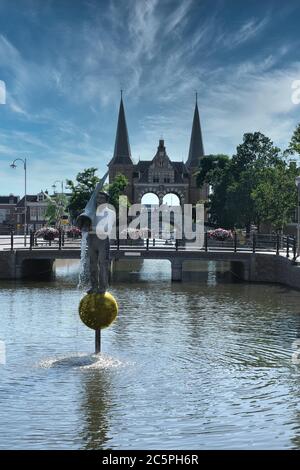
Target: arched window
x,y
150,199
171,199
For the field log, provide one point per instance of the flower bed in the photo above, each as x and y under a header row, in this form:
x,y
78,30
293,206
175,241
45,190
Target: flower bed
x,y
73,232
47,233
220,234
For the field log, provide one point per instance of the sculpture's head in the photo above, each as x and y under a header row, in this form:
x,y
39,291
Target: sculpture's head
x,y
87,218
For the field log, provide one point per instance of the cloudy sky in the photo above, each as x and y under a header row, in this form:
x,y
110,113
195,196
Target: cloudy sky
x,y
64,61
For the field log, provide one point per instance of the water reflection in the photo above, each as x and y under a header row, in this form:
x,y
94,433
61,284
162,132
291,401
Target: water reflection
x,y
187,365
95,409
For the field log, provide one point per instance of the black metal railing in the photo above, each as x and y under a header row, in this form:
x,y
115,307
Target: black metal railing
x,y
276,244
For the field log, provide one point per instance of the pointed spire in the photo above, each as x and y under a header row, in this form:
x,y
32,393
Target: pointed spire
x,y
196,150
122,153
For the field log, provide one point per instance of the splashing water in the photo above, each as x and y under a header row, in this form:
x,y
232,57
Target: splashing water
x,y
82,361
84,271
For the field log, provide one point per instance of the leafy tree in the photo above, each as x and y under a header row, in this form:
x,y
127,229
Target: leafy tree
x,y
294,146
116,189
257,151
253,156
255,185
56,208
211,169
275,195
84,186
82,190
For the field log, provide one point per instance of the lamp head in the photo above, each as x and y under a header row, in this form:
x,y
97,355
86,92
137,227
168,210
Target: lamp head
x,y
12,165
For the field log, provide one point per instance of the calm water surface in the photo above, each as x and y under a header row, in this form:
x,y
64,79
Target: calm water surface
x,y
199,366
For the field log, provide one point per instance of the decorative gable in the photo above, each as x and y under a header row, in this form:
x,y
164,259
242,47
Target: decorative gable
x,y
161,169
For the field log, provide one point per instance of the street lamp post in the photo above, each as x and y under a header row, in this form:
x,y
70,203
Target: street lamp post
x,y
13,165
60,204
297,181
62,185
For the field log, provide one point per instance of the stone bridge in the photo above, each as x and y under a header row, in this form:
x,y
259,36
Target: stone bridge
x,y
246,265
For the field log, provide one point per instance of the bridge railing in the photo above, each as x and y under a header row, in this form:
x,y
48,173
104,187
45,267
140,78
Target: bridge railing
x,y
255,243
12,241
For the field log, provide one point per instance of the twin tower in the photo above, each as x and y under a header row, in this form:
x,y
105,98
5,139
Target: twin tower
x,y
161,175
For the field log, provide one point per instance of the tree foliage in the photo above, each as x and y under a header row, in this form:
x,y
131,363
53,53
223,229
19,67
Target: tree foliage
x,y
81,190
83,187
56,208
116,189
256,185
295,141
275,195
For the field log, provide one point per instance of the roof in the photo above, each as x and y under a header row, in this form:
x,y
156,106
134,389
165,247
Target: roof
x,y
30,198
7,199
196,150
122,152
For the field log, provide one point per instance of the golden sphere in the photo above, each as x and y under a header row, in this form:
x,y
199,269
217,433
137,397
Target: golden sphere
x,y
98,311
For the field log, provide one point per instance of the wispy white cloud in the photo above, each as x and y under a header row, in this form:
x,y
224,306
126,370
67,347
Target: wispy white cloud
x,y
250,29
64,100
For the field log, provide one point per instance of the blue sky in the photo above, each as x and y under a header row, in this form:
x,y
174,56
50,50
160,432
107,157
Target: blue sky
x,y
64,62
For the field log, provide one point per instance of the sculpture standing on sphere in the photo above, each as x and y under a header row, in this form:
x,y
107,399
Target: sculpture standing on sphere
x,y
98,219
98,308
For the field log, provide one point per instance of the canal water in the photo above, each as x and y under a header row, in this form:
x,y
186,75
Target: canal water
x,y
200,365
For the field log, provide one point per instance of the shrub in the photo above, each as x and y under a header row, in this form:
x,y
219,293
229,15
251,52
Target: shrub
x,y
48,233
220,234
73,232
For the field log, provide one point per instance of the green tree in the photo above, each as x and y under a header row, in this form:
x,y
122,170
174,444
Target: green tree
x,y
82,190
116,189
238,184
275,196
253,156
294,146
56,208
211,169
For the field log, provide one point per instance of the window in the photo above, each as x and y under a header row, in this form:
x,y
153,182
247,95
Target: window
x,y
33,213
167,179
155,179
3,213
41,213
37,213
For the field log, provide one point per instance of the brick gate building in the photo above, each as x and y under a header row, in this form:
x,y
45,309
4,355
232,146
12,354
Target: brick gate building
x,y
161,175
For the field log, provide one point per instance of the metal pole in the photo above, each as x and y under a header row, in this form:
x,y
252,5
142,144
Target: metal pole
x,y
205,241
12,240
277,244
235,241
254,243
59,238
31,240
298,220
25,202
294,249
97,341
